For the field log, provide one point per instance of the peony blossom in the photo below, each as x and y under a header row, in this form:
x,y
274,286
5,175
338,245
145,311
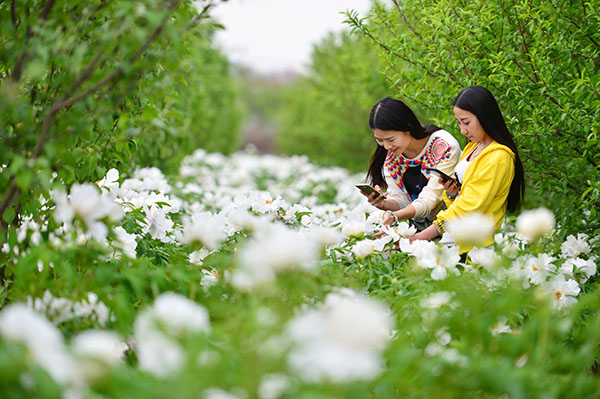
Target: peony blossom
x,y
501,327
363,248
171,316
586,268
266,254
575,246
205,228
485,257
563,292
436,300
340,340
471,229
535,223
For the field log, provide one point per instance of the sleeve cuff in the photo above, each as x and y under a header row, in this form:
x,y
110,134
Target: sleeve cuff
x,y
441,225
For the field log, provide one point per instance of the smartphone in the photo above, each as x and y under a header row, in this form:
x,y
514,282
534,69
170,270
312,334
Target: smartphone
x,y
443,176
367,189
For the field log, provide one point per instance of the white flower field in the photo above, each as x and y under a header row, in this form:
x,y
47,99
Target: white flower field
x,y
251,276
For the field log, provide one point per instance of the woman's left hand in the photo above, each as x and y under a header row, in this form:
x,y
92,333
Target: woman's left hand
x,y
451,187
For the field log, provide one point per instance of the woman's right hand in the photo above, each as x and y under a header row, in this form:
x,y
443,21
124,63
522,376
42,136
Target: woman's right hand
x,y
388,219
377,200
451,187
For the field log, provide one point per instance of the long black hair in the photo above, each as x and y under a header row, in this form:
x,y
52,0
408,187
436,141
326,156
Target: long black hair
x,y
391,114
481,102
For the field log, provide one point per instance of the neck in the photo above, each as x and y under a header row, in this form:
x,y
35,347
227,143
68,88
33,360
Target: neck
x,y
415,147
486,141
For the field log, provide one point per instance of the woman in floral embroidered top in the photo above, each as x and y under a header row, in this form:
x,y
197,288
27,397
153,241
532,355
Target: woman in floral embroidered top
x,y
405,150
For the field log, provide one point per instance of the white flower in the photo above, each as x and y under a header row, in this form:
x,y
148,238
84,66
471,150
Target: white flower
x,y
206,228
586,267
278,249
159,355
97,351
401,230
575,246
210,278
539,268
127,242
471,229
501,327
152,179
535,223
442,336
197,257
110,182
440,260
176,314
436,300
485,257
353,228
341,340
172,315
326,235
42,339
218,393
105,346
563,291
157,223
90,205
272,386
363,248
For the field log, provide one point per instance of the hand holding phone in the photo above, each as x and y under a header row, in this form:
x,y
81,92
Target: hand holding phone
x,y
444,176
368,189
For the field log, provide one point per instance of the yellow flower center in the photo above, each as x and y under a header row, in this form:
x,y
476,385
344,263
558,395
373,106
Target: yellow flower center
x,y
533,268
438,260
268,202
558,294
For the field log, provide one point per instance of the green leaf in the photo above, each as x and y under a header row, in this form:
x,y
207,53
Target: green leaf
x,y
9,215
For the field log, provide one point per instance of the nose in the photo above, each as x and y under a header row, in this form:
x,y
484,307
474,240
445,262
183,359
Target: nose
x,y
387,146
463,130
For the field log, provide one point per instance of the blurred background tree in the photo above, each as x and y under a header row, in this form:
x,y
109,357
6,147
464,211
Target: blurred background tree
x,y
92,85
325,114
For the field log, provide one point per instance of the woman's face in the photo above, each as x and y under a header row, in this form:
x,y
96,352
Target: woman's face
x,y
470,126
393,140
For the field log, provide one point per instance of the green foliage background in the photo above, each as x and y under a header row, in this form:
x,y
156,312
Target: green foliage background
x,y
325,114
92,85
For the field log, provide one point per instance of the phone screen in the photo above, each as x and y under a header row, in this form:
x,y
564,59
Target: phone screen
x,y
367,189
444,176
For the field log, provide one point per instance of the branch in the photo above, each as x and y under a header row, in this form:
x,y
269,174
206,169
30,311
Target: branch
x,y
13,15
46,10
365,31
18,70
524,41
87,73
56,107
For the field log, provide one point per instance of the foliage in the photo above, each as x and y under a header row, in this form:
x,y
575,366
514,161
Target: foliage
x,y
487,329
539,58
325,115
92,85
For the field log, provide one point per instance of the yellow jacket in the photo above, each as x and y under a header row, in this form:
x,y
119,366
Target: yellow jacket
x,y
485,187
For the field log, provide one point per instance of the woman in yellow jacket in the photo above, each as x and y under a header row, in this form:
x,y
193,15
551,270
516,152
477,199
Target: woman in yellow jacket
x,y
489,170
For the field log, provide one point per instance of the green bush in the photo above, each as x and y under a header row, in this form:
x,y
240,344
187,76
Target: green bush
x,y
92,85
540,59
325,114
